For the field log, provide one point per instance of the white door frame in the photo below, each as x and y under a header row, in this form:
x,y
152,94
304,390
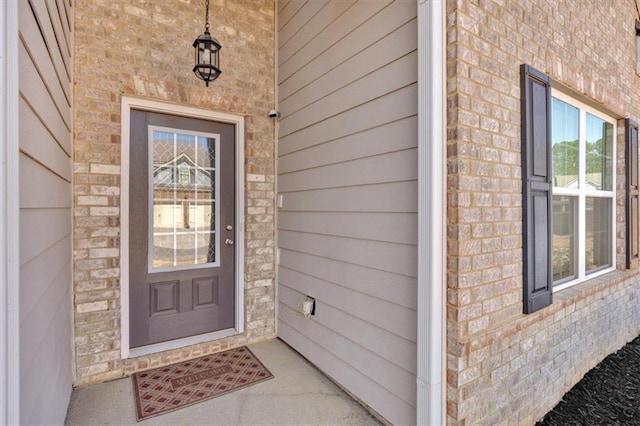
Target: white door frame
x,y
9,217
431,338
129,103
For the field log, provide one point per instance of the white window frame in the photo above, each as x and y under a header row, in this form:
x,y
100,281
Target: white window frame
x,y
582,192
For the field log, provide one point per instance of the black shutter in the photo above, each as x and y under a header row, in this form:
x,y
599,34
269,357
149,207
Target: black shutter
x,y
631,144
536,188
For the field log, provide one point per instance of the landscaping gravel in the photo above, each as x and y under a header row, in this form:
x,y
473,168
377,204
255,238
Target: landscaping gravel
x,y
609,394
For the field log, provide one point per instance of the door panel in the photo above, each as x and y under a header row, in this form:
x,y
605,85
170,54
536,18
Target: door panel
x,y
181,228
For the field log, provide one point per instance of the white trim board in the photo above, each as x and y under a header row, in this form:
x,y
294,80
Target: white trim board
x,y
431,346
129,103
276,128
9,217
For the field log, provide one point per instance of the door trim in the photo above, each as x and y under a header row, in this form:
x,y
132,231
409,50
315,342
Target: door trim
x,y
129,103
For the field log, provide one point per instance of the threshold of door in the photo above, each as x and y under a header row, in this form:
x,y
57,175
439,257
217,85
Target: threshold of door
x,y
180,343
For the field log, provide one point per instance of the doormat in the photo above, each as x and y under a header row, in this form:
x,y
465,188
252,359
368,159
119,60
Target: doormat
x,y
169,388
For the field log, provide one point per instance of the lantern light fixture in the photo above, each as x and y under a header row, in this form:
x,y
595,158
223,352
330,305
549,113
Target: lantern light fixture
x,y
637,47
207,53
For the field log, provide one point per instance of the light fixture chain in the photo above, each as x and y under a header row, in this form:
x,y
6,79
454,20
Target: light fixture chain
x,y
207,14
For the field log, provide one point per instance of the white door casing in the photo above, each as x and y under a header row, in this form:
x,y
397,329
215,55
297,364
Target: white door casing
x,y
129,103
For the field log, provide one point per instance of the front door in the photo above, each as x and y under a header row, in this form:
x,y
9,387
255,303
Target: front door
x,y
181,227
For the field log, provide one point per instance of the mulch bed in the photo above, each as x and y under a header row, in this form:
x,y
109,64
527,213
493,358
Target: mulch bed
x,y
609,394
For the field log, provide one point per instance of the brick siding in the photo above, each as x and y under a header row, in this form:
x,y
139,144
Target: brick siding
x,y
143,48
504,367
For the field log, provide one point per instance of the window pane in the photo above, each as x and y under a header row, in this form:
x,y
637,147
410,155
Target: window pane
x,y
184,146
183,200
205,155
564,237
565,134
598,233
599,154
162,147
203,216
166,216
206,247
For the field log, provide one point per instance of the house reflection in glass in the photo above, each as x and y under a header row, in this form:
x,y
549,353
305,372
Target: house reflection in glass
x,y
184,204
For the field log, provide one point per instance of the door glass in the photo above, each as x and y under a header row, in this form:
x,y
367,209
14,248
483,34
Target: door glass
x,y
183,185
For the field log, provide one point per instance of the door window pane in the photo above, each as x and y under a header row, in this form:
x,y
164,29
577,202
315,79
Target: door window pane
x,y
182,192
565,139
202,216
599,149
206,252
598,233
564,238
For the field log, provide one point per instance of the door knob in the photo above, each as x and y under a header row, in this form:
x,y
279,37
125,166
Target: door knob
x,y
228,242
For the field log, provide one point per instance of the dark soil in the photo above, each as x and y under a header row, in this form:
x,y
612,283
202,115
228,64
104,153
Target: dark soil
x,y
609,394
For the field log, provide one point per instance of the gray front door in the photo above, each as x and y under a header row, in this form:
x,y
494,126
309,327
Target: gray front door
x,y
181,227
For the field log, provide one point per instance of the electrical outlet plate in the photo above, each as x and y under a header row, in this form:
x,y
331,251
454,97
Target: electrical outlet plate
x,y
308,306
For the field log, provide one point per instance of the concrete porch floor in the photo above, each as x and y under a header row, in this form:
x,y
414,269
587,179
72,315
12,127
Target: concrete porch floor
x,y
298,394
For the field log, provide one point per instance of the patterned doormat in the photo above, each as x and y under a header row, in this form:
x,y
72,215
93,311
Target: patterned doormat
x,y
169,388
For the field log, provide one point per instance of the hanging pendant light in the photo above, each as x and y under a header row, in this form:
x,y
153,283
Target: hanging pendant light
x,y
637,46
207,54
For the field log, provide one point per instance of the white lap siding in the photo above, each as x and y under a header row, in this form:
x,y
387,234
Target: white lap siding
x,y
45,210
347,169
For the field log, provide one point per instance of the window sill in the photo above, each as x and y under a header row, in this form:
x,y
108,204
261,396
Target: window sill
x,y
590,286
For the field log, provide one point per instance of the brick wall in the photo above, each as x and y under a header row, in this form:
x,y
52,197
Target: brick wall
x,y
504,367
143,48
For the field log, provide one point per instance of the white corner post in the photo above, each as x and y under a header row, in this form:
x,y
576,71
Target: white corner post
x,y
9,215
431,346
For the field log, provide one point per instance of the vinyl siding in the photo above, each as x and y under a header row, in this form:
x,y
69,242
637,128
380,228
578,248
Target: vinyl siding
x,y
347,172
45,210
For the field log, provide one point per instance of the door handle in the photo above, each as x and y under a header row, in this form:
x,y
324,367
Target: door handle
x,y
228,242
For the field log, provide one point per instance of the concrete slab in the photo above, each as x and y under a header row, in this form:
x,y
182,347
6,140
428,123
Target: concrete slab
x,y
298,394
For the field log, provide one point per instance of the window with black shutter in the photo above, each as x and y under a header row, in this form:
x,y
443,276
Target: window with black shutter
x,y
568,172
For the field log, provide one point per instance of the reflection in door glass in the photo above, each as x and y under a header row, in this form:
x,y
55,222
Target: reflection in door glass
x,y
183,199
